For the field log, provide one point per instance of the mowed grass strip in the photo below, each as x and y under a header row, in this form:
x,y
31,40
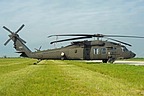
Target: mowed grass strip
x,y
129,75
13,74
98,83
62,78
13,64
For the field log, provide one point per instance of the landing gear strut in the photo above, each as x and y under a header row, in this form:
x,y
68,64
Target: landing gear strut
x,y
111,60
37,62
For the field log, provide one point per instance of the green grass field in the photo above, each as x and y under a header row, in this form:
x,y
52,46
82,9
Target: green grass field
x,y
19,77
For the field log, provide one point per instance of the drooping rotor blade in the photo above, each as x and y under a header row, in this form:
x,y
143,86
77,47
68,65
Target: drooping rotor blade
x,y
83,36
123,36
71,35
70,39
120,41
21,39
7,41
20,28
7,29
96,35
90,35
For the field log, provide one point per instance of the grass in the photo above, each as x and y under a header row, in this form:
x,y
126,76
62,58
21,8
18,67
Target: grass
x,y
134,74
136,59
18,77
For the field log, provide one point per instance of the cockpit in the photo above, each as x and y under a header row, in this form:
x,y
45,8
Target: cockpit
x,y
126,53
124,49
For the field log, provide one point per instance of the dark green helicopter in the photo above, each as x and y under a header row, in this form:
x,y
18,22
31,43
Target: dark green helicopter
x,y
79,50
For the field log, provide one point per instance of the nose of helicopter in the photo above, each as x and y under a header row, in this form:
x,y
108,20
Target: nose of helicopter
x,y
132,54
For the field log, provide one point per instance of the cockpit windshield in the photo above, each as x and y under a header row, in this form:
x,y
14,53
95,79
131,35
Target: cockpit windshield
x,y
124,49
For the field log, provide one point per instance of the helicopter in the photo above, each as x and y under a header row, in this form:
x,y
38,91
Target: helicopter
x,y
107,51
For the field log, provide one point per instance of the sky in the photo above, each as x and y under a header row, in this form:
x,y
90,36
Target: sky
x,y
46,17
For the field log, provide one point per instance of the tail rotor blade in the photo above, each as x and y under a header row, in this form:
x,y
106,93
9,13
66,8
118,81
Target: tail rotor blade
x,y
19,28
7,41
7,29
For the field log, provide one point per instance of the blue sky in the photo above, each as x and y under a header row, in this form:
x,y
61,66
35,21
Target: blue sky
x,y
46,17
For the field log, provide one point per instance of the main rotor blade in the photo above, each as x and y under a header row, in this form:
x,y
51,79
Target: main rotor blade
x,y
71,35
71,39
21,39
7,29
96,35
123,36
120,41
93,35
7,41
20,28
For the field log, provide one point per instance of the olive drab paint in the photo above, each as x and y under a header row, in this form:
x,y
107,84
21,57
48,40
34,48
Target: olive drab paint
x,y
107,51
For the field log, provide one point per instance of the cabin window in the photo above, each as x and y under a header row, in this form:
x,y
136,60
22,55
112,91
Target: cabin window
x,y
103,50
96,51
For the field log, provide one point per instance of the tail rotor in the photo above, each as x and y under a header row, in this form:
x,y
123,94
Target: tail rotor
x,y
13,36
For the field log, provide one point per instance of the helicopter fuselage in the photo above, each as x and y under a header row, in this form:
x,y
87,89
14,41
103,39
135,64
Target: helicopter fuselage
x,y
87,50
80,50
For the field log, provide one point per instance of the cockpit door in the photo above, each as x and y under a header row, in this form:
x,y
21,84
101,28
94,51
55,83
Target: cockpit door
x,y
111,52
